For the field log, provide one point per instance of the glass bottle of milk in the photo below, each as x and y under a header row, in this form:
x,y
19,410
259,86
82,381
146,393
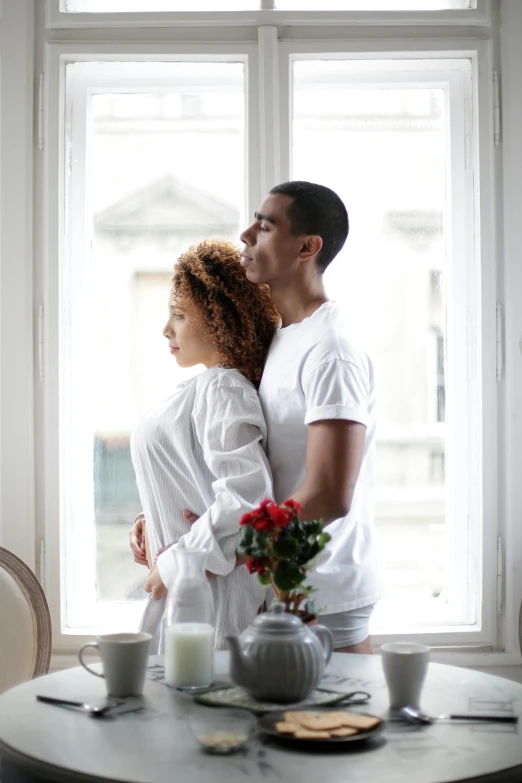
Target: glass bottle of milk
x,y
189,635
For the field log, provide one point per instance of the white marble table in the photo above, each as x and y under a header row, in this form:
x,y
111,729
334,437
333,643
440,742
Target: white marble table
x,y
40,741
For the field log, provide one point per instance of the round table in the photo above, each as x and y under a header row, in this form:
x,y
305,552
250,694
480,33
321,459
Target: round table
x,y
156,745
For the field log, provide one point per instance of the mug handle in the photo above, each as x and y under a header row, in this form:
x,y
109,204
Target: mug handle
x,y
325,637
80,651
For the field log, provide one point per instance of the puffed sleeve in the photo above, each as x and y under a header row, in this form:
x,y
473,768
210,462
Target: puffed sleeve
x,y
230,428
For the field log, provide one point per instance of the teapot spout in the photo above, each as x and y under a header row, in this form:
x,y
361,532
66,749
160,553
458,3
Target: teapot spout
x,y
241,667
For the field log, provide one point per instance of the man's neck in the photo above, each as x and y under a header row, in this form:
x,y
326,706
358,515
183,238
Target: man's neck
x,y
297,301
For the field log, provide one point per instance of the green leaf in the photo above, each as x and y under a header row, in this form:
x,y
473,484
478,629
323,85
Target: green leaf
x,y
285,547
314,528
247,536
314,550
304,555
261,541
264,580
323,539
288,575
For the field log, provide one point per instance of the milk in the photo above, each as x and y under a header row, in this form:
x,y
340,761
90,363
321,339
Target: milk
x,y
189,655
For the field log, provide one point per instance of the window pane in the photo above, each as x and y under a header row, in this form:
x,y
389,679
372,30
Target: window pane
x,y
384,151
164,169
151,6
373,5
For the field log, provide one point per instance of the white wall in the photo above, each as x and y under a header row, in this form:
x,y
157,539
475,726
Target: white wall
x,y
510,284
16,273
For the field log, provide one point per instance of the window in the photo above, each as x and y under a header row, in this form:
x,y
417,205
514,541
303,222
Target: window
x,y
373,5
130,6
157,162
133,6
387,136
163,144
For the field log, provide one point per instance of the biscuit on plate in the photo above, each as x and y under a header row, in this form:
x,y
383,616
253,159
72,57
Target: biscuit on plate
x,y
309,734
321,722
295,717
286,728
346,731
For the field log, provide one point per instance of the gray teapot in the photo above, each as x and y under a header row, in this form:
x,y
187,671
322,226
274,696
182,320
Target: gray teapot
x,y
279,659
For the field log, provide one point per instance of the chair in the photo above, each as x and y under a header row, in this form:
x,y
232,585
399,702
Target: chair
x,y
25,623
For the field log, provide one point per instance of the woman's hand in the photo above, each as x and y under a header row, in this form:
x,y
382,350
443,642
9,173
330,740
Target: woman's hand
x,y
190,517
155,586
137,540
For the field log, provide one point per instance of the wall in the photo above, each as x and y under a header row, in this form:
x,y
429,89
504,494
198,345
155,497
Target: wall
x,y
17,526
510,290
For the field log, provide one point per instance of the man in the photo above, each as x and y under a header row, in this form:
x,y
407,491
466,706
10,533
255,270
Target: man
x,y
317,394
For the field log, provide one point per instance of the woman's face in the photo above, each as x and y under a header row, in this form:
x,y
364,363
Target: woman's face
x,y
187,339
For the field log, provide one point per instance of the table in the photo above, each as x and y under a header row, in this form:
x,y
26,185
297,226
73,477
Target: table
x,y
156,745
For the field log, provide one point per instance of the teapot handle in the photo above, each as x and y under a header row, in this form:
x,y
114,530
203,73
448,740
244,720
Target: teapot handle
x,y
325,637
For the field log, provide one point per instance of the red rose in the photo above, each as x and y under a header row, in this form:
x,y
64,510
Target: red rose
x,y
247,519
279,516
255,566
293,506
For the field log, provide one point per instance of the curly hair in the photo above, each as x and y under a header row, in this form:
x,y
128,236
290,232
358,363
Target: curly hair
x,y
238,316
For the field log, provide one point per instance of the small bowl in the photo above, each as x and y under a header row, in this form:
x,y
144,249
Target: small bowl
x,y
222,731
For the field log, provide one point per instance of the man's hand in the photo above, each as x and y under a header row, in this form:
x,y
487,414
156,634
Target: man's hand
x,y
155,586
137,540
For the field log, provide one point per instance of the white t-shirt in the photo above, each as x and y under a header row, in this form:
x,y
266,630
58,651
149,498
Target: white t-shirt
x,y
203,449
313,373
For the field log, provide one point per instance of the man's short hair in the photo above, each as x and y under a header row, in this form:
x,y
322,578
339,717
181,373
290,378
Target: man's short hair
x,y
315,209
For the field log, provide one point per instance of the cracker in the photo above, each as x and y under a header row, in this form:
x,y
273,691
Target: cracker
x,y
360,721
309,734
321,722
296,717
344,732
286,728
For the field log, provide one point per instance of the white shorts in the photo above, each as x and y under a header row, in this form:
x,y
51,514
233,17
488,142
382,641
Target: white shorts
x,y
350,627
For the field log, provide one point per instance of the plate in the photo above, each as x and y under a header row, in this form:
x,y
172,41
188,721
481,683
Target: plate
x,y
267,723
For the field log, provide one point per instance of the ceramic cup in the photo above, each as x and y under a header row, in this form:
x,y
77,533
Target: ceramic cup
x,y
405,667
124,657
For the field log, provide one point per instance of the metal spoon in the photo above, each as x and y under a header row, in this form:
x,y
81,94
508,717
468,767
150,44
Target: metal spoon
x,y
96,710
415,715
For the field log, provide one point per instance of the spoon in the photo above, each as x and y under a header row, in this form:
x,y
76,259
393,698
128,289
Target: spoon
x,y
96,710
415,715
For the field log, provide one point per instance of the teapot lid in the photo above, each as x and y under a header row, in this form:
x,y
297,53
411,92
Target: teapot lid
x,y
277,619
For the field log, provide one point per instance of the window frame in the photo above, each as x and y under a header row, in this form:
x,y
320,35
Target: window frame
x,y
271,170
55,383
483,631
56,18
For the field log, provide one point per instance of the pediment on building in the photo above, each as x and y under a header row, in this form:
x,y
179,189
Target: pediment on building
x,y
168,206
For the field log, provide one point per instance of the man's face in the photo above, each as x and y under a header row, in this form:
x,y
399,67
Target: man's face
x,y
271,252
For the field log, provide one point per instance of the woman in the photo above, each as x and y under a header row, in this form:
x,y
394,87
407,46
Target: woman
x,y
202,449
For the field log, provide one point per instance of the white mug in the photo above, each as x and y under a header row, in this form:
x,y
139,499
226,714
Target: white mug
x,y
124,658
405,667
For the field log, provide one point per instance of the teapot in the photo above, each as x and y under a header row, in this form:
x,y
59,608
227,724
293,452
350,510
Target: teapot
x,y
278,658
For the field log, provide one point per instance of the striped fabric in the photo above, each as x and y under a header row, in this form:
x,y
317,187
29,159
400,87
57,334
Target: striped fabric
x,y
203,450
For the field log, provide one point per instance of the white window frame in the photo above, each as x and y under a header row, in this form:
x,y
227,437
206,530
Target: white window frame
x,y
470,505
56,19
83,44
57,473
79,564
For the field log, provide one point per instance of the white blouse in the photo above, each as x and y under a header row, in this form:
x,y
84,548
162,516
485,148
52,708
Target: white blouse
x,y
203,450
